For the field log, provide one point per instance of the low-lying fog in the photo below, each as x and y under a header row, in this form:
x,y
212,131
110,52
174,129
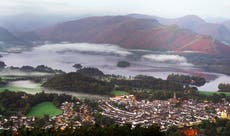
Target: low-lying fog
x,y
23,84
105,57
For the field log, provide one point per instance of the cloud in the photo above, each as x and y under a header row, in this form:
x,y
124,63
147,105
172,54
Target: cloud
x,y
227,4
167,58
160,8
85,47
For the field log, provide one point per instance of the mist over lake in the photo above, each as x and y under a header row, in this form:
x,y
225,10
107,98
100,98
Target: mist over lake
x,y
105,57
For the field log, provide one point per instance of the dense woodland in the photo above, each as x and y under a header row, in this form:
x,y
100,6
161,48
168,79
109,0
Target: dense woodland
x,y
39,68
173,83
90,72
91,80
76,82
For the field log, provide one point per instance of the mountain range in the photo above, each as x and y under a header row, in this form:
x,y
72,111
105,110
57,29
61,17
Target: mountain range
x,y
30,22
219,31
132,32
135,31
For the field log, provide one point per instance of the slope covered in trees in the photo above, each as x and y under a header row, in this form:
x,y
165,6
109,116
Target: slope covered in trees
x,y
76,82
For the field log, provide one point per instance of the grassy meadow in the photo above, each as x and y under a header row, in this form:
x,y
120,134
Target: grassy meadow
x,y
44,108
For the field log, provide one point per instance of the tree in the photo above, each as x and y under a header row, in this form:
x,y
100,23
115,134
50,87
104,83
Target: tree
x,y
77,66
90,72
2,64
224,87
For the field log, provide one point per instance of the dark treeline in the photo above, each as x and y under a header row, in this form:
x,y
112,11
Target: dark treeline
x,y
95,130
123,64
206,128
19,103
174,82
76,82
90,72
39,68
2,64
164,95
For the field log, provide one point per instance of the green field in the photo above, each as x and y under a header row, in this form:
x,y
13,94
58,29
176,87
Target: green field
x,y
44,108
119,93
211,93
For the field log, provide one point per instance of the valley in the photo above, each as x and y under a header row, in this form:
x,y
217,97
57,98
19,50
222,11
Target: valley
x,y
131,72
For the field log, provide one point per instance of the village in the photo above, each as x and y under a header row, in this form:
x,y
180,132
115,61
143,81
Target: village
x,y
165,113
127,110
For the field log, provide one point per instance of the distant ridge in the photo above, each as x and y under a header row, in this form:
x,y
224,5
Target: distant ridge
x,y
131,32
7,39
196,24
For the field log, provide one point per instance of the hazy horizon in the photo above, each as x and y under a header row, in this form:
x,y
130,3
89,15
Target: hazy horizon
x,y
164,8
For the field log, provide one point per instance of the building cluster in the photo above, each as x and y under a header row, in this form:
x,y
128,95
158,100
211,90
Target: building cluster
x,y
166,113
69,116
127,110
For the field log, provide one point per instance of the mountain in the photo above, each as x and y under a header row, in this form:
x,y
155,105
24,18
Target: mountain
x,y
195,24
8,40
227,24
129,32
29,22
6,36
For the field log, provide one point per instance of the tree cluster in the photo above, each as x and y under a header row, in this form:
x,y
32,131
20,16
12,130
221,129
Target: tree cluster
x,y
39,68
76,82
91,72
173,82
123,64
77,66
224,87
2,64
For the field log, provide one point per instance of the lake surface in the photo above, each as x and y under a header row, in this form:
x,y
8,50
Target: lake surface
x,y
105,57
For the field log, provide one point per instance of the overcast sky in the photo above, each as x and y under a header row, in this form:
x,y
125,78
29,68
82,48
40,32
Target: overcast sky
x,y
165,8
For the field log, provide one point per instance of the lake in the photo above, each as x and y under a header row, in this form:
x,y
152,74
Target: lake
x,y
105,57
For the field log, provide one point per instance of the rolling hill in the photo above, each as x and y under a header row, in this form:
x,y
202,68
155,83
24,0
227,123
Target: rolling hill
x,y
130,32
